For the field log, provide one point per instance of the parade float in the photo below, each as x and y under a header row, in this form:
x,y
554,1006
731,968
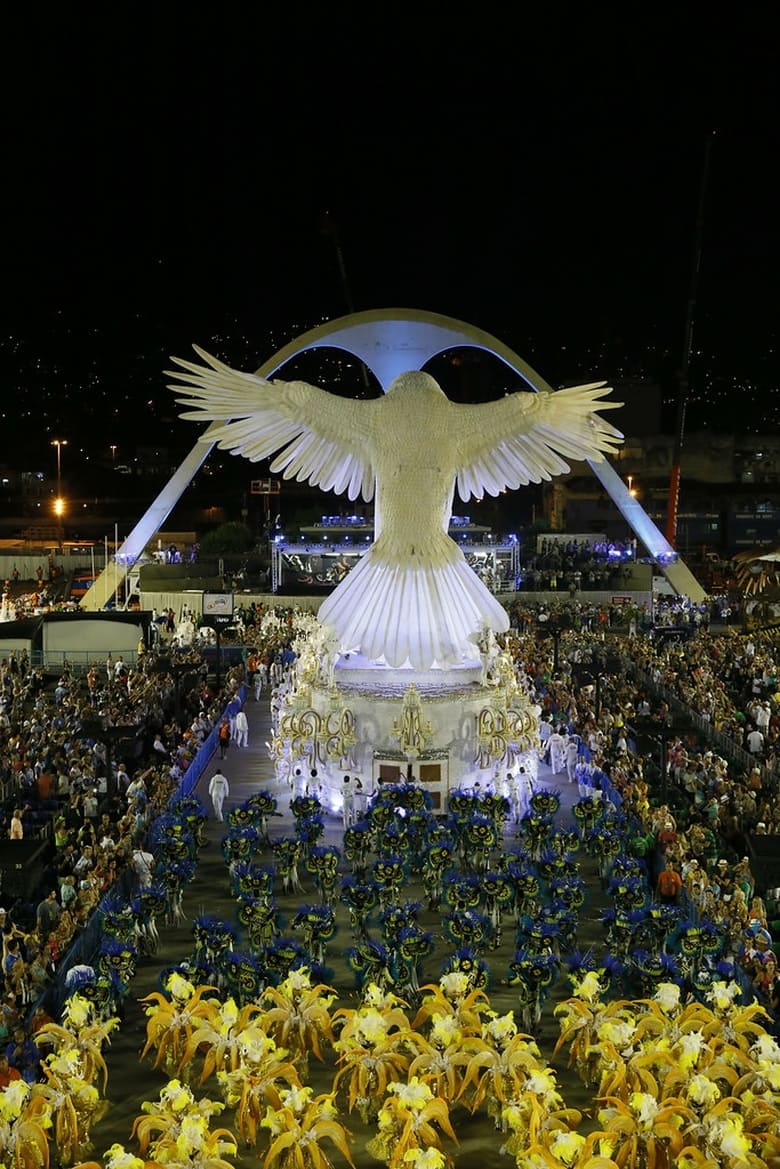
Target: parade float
x,y
407,678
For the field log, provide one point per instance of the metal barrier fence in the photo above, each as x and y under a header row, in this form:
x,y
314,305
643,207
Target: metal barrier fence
x,y
79,662
725,744
54,661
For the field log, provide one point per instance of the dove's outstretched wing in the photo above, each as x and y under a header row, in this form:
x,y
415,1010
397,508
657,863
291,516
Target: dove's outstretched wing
x,y
321,438
527,437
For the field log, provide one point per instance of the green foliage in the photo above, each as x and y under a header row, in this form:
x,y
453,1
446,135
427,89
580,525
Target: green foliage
x,y
231,537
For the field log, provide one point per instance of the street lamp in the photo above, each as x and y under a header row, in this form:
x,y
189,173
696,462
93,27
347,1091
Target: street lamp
x,y
112,448
59,443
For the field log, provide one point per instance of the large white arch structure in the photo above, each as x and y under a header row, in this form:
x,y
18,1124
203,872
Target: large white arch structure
x,y
390,342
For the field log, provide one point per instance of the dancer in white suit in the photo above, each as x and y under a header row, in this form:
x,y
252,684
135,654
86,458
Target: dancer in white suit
x,y
219,790
412,598
242,729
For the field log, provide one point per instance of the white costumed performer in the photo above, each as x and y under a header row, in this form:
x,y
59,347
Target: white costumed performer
x,y
412,599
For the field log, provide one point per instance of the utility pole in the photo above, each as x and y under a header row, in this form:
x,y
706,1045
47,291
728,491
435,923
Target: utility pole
x,y
330,228
682,388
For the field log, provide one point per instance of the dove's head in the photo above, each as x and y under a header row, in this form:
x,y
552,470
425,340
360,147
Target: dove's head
x,y
415,382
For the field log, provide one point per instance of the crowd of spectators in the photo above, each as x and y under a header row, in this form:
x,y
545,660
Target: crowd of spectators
x,y
731,682
90,810
45,592
577,565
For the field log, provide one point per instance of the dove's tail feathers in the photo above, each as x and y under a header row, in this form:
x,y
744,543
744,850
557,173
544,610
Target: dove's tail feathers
x,y
412,613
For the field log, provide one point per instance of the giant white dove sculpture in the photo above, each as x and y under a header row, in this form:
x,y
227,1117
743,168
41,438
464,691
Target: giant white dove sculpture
x,y
412,599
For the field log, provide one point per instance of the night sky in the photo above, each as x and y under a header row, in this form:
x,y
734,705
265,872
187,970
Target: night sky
x,y
167,180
